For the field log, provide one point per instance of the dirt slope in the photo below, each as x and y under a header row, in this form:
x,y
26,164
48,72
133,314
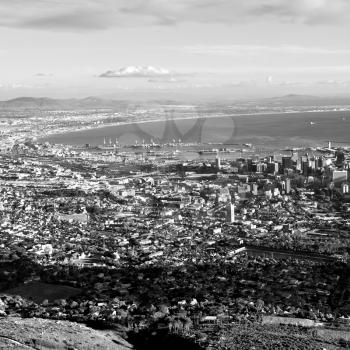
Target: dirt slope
x,y
34,333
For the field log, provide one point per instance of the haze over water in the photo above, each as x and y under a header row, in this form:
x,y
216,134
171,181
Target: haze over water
x,y
269,131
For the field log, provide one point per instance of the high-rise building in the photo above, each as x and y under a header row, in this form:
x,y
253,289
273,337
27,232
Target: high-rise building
x,y
250,165
295,156
224,195
312,164
345,188
305,167
254,189
339,176
340,158
320,161
272,168
218,162
230,213
288,187
287,163
260,167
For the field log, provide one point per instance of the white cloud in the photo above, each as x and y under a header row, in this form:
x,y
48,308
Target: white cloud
x,y
233,11
304,11
43,74
244,50
136,72
103,14
333,82
166,80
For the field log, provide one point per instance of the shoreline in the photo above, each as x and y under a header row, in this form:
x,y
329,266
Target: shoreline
x,y
64,132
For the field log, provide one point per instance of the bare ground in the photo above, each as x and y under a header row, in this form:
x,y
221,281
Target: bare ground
x,y
34,333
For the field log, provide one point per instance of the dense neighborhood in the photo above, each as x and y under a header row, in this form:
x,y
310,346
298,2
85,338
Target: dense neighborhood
x,y
98,235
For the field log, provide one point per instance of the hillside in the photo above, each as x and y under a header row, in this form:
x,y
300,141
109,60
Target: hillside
x,y
34,333
305,100
45,103
106,102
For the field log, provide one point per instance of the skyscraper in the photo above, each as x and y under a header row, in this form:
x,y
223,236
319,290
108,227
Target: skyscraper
x,y
254,189
272,168
287,186
305,167
230,213
340,158
339,176
287,163
345,188
218,162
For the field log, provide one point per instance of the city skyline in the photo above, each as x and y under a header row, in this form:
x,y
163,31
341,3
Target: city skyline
x,y
117,48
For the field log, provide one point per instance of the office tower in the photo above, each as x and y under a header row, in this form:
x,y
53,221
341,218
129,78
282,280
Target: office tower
x,y
230,213
218,162
288,186
260,167
339,176
249,165
312,164
287,163
345,188
320,162
254,189
305,167
295,156
254,168
282,185
272,168
340,158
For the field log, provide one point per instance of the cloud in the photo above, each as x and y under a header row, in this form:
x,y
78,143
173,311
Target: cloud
x,y
136,72
333,82
253,50
43,75
57,15
82,20
312,12
82,15
166,80
15,86
304,11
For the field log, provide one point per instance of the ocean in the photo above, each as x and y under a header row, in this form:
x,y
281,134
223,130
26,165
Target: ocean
x,y
273,131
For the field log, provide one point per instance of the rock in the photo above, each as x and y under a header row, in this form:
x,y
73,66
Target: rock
x,y
2,306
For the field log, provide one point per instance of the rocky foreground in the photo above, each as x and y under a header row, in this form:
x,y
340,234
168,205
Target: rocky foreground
x,y
34,333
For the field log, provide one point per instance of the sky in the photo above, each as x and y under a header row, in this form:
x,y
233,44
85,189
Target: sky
x,y
118,48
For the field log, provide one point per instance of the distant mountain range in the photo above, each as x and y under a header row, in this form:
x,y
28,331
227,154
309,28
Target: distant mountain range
x,y
307,100
45,103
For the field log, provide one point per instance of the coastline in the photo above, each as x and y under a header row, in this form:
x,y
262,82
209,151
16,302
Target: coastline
x,y
256,114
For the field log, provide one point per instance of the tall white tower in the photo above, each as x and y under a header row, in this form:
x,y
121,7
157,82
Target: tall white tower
x,y
218,162
230,213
